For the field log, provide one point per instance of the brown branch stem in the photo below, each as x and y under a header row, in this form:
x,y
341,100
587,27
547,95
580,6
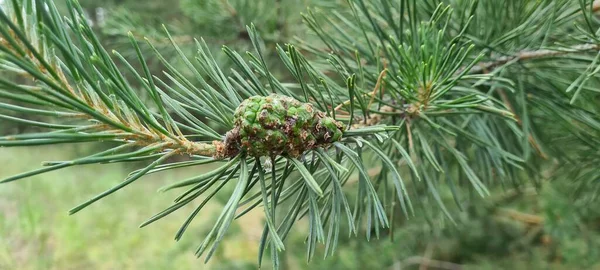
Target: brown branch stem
x,y
530,138
487,67
522,217
418,260
370,94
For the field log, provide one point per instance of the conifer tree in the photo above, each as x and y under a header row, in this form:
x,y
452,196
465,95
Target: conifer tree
x,y
387,110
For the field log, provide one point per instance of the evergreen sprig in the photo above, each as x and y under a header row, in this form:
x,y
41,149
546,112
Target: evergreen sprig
x,y
431,91
89,99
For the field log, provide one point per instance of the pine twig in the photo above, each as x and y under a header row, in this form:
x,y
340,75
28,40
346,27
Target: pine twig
x,y
128,128
522,217
237,19
427,256
418,260
370,94
531,139
487,67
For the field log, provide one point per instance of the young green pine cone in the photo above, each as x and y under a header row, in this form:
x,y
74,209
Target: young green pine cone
x,y
278,125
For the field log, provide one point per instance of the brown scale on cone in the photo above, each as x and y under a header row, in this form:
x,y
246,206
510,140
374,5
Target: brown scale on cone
x,y
277,125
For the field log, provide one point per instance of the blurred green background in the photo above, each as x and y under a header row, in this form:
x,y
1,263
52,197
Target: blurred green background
x,y
526,228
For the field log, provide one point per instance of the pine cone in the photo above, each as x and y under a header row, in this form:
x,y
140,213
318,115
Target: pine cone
x,y
280,125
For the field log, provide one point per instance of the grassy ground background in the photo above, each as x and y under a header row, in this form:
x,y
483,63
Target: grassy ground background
x,y
37,233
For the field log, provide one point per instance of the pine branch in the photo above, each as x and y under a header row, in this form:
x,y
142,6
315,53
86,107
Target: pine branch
x,y
424,262
236,18
401,90
127,128
73,72
522,217
488,67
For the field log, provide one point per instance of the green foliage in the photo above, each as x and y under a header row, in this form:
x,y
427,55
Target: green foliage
x,y
442,100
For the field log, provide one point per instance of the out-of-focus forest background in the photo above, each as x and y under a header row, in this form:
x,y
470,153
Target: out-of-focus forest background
x,y
528,228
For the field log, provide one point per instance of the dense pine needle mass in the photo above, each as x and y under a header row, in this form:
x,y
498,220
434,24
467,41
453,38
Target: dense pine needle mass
x,y
432,96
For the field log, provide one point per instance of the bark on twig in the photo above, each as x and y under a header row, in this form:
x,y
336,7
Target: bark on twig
x,y
418,260
487,67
